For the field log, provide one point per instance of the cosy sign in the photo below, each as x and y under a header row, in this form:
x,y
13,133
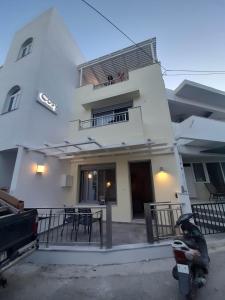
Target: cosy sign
x,y
48,103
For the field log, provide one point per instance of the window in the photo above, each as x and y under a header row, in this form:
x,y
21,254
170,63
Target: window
x,y
12,99
215,174
199,172
98,184
25,48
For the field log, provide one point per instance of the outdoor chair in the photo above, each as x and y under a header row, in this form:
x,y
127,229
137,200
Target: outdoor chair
x,y
214,193
86,218
70,216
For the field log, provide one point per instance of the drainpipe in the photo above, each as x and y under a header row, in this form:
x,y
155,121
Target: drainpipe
x,y
183,195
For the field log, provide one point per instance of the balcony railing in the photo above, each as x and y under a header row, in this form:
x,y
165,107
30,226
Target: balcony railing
x,y
105,120
122,77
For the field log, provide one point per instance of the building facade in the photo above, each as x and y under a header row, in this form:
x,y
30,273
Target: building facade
x,y
198,117
77,132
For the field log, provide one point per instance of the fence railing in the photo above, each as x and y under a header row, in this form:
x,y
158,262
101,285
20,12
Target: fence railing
x,y
105,120
160,220
75,226
209,217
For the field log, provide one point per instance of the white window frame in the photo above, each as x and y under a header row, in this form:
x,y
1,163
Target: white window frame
x,y
15,104
205,172
28,49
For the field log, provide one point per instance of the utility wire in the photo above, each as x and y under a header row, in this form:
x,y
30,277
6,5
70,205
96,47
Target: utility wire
x,y
194,74
197,71
120,30
200,72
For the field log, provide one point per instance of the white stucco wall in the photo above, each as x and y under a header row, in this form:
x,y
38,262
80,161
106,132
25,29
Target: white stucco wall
x,y
42,190
49,68
7,163
155,117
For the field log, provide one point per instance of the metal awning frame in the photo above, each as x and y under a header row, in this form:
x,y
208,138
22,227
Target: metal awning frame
x,y
61,151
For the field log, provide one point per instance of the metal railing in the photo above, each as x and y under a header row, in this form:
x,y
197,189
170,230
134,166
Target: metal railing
x,y
209,217
111,82
105,120
75,226
160,220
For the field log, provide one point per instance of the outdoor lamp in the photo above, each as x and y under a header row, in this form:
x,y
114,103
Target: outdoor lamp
x,y
90,176
162,170
108,184
40,169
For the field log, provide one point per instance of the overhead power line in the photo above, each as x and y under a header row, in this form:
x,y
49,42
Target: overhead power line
x,y
194,74
189,72
197,71
117,28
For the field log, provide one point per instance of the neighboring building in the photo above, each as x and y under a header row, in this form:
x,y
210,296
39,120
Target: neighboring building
x,y
102,129
198,116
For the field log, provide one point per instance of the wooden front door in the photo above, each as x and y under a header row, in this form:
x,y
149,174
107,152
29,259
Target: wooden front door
x,y
141,186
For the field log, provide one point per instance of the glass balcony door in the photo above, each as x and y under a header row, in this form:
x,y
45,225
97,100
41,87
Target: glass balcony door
x,y
98,185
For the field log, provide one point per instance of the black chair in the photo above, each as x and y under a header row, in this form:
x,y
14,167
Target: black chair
x,y
86,218
70,216
213,192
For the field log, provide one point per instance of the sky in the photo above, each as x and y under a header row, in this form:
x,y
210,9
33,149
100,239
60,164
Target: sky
x,y
190,33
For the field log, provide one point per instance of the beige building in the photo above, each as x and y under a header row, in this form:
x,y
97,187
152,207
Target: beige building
x,y
121,104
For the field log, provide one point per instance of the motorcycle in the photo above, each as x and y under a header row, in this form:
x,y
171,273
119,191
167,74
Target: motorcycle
x,y
191,255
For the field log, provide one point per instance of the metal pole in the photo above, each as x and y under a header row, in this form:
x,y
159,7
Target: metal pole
x,y
108,225
172,219
49,226
183,195
149,223
100,229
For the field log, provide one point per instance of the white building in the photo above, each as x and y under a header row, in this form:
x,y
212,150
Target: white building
x,y
102,129
42,59
198,116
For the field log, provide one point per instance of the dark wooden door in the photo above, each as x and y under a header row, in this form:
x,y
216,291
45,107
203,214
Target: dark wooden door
x,y
141,186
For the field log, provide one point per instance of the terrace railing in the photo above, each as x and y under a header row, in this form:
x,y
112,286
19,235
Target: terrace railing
x,y
160,220
75,226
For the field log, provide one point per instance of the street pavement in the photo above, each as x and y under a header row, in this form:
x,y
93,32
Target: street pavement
x,y
134,281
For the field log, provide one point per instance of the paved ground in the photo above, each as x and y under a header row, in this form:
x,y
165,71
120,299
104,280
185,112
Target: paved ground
x,y
137,281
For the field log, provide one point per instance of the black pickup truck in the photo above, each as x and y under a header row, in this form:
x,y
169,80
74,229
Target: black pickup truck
x,y
18,235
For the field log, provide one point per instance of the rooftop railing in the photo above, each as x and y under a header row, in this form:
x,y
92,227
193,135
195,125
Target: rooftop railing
x,y
120,78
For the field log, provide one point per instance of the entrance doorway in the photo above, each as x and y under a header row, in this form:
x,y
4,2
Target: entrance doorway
x,y
141,186
189,176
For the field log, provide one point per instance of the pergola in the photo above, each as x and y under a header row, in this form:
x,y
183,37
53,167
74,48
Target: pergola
x,y
125,60
91,148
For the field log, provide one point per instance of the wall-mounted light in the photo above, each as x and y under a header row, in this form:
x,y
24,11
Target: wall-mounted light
x,y
162,170
40,169
108,184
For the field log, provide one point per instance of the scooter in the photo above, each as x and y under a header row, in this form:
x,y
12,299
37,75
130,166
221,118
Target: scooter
x,y
191,255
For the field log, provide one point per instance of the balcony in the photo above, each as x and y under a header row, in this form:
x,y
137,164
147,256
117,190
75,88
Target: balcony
x,y
105,120
112,77
106,94
198,131
110,129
